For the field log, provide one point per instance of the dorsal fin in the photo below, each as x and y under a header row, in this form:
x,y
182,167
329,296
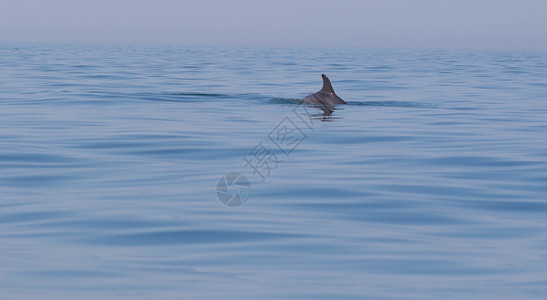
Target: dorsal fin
x,y
327,87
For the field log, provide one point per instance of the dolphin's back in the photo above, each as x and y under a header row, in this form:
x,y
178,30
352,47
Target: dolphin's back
x,y
326,96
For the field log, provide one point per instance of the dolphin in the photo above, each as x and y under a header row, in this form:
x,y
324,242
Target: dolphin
x,y
326,96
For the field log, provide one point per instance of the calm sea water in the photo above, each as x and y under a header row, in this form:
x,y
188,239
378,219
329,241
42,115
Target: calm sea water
x,y
430,184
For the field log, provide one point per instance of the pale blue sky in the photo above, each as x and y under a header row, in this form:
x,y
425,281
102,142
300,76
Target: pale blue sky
x,y
473,24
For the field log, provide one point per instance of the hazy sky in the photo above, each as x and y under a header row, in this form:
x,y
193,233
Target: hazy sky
x,y
475,24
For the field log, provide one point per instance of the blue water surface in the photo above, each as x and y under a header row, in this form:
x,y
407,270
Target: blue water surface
x,y
430,184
